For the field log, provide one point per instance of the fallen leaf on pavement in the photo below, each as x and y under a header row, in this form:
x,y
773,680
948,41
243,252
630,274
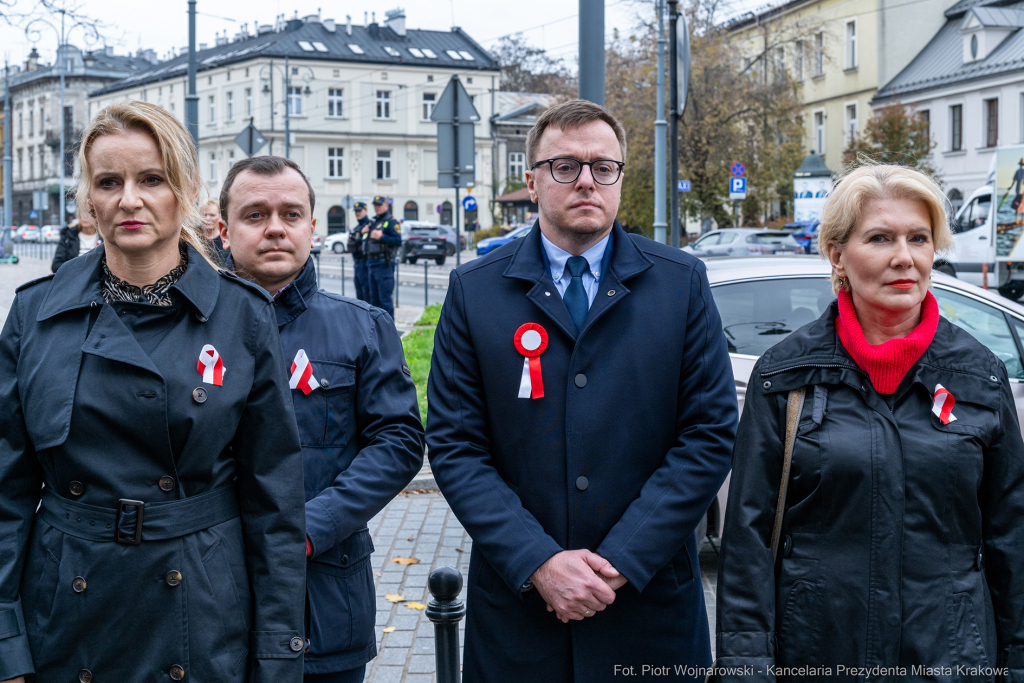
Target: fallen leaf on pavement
x,y
394,597
459,550
389,629
405,560
415,605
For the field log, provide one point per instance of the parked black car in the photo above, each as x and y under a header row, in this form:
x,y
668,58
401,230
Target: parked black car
x,y
424,241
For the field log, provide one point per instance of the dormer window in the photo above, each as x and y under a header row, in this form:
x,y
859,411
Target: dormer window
x,y
974,46
985,28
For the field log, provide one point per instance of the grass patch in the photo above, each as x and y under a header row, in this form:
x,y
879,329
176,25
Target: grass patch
x,y
418,345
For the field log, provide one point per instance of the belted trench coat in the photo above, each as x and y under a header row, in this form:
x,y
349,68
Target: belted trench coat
x,y
902,551
104,410
621,456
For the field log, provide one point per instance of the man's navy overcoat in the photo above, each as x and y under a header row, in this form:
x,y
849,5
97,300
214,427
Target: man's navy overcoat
x,y
362,442
621,456
104,402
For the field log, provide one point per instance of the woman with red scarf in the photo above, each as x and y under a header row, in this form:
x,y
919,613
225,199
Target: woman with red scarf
x,y
901,552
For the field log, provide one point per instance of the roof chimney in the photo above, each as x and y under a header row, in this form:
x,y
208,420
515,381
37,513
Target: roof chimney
x,y
33,60
396,20
348,24
329,25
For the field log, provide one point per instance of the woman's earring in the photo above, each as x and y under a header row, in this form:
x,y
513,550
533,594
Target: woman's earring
x,y
92,212
840,282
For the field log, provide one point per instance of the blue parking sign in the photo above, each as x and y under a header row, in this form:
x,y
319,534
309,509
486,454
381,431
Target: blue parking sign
x,y
737,188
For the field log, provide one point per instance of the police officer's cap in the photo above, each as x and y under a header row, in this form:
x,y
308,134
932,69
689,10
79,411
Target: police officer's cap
x,y
380,200
359,206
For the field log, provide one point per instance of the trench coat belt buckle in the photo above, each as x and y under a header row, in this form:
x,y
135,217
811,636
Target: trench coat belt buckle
x,y
134,521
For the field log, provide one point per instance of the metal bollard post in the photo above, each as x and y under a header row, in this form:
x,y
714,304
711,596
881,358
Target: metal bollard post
x,y
446,611
425,285
342,259
396,283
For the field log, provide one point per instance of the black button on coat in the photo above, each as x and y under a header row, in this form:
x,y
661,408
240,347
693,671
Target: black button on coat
x,y
886,513
362,443
102,394
651,434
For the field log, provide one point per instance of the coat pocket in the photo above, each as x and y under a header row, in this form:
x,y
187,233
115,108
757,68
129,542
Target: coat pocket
x,y
798,636
40,581
228,596
966,647
338,386
341,605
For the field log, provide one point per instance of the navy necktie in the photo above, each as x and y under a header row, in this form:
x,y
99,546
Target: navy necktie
x,y
575,296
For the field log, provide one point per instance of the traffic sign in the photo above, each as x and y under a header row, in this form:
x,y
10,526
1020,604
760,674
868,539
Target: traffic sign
x,y
456,119
684,186
738,170
33,214
737,188
469,204
250,140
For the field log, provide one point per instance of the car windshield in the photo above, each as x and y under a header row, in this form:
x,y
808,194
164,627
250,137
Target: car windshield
x,y
426,232
769,238
757,315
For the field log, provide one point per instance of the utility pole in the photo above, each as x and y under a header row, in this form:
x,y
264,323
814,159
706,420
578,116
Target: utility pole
x,y
456,178
592,51
270,83
673,118
61,59
287,108
659,135
7,220
192,99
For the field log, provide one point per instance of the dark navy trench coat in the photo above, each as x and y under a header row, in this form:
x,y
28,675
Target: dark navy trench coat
x,y
621,456
121,411
362,442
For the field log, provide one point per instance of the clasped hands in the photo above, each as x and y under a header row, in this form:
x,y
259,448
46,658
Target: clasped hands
x,y
577,583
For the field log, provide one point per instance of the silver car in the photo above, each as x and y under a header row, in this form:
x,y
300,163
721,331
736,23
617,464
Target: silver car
x,y
762,300
745,242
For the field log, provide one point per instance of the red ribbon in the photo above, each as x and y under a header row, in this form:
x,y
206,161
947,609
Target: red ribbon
x,y
536,342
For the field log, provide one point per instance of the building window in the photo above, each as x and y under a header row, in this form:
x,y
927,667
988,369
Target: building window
x,y
851,123
42,118
231,158
956,128
336,162
429,100
230,105
517,166
411,211
383,104
335,102
294,100
31,121
991,122
819,54
213,109
21,126
383,164
819,132
798,61
248,103
925,117
213,167
851,44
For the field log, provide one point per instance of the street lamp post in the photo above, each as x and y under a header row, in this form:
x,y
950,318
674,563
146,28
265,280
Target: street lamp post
x,y
673,118
7,221
191,98
267,72
659,134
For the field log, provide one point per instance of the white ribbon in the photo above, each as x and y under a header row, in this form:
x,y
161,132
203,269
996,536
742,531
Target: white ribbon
x,y
209,358
525,384
302,374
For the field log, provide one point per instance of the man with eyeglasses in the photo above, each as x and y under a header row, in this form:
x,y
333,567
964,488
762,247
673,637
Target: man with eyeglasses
x,y
582,412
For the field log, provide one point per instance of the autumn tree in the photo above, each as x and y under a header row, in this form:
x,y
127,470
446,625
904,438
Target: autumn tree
x,y
527,68
895,134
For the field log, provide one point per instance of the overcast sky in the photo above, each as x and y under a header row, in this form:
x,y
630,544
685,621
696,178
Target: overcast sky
x,y
163,25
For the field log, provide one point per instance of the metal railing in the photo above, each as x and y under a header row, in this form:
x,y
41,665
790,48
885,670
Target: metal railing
x,y
40,250
336,271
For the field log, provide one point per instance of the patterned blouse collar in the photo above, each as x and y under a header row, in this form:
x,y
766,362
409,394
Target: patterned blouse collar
x,y
158,293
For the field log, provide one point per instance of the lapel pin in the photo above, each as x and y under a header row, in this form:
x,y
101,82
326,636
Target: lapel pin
x,y
531,339
942,404
211,366
302,374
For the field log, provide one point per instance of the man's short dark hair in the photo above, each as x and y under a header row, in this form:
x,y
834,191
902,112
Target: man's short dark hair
x,y
264,166
571,114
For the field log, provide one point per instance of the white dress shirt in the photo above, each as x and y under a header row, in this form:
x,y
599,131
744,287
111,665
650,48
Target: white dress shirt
x,y
557,258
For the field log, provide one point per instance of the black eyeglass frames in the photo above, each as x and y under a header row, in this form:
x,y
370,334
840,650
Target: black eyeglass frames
x,y
567,170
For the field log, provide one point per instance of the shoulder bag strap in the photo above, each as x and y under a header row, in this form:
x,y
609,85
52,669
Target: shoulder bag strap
x,y
794,407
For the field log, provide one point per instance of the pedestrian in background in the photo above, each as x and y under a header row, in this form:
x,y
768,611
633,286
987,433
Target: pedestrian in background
x,y
582,506
210,214
148,393
355,403
901,541
379,249
356,239
80,237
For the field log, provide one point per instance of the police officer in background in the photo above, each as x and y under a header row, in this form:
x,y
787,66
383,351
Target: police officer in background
x,y
379,251
355,247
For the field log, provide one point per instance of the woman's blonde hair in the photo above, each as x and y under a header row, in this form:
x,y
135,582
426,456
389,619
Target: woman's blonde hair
x,y
844,207
208,203
179,156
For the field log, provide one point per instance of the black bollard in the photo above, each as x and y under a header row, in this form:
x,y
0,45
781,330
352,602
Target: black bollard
x,y
446,611
426,286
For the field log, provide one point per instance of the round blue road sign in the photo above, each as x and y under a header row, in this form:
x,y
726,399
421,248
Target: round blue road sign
x,y
738,170
469,203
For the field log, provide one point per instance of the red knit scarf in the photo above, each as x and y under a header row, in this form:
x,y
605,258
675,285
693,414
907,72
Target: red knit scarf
x,y
887,363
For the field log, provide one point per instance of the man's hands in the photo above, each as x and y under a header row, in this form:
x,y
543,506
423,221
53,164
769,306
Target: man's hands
x,y
577,584
376,234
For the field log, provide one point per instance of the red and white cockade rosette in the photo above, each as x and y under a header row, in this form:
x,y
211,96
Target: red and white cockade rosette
x,y
531,339
942,404
211,366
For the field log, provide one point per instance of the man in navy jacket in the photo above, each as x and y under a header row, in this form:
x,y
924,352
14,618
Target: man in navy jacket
x,y
355,404
581,419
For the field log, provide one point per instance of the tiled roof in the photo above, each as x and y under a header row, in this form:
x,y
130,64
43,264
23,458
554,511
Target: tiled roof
x,y
313,41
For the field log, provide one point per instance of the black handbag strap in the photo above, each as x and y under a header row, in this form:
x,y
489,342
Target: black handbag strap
x,y
794,407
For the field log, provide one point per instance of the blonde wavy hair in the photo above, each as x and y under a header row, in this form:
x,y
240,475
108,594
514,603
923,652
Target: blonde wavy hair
x,y
178,154
856,187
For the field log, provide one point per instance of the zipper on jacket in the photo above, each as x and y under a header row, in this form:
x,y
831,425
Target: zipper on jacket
x,y
812,365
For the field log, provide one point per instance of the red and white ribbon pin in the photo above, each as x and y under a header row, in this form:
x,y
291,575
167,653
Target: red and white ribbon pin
x,y
531,339
302,374
942,404
210,366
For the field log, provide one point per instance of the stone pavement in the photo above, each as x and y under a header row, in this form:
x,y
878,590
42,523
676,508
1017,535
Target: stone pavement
x,y
422,526
13,275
